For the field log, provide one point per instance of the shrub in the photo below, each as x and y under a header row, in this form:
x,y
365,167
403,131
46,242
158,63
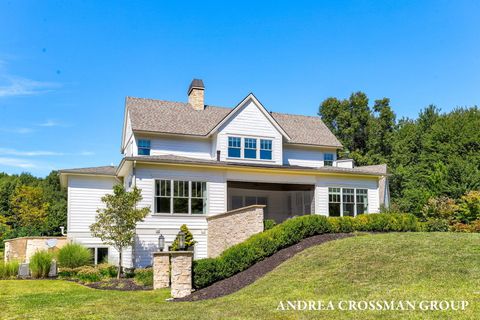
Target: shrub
x,y
9,269
268,224
74,255
461,227
40,264
243,255
440,208
189,242
144,276
88,274
475,226
436,225
469,207
107,270
68,272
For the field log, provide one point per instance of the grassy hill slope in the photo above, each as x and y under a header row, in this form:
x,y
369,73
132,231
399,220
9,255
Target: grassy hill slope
x,y
399,266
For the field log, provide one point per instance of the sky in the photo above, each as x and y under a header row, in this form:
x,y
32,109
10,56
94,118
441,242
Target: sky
x,y
67,66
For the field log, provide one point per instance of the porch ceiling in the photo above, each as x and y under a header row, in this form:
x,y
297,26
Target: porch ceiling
x,y
270,186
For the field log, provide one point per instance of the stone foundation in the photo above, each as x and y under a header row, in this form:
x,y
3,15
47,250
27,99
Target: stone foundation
x,y
161,270
181,273
21,249
232,227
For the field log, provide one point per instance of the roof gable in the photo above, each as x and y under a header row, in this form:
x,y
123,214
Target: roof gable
x,y
240,107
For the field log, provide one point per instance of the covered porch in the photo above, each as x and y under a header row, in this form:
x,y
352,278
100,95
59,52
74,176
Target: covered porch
x,y
282,200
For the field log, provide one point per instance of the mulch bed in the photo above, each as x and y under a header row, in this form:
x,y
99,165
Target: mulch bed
x,y
118,284
258,270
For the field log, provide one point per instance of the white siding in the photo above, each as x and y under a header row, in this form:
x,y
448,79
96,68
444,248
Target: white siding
x,y
323,183
129,141
84,198
250,122
169,225
305,156
185,147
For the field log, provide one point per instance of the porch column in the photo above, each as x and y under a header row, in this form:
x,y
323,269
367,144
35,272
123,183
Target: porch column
x,y
161,270
181,273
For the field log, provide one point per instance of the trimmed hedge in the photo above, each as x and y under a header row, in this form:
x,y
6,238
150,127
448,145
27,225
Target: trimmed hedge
x,y
243,255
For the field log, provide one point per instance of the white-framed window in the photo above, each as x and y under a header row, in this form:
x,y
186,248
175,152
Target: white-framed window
x,y
328,159
344,202
143,147
265,149
234,147
334,202
250,148
180,197
99,254
362,201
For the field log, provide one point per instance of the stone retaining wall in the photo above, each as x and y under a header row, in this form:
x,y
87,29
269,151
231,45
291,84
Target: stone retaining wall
x,y
232,227
21,249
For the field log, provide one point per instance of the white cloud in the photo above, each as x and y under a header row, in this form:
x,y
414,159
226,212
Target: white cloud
x,y
19,163
38,153
17,130
18,86
14,152
49,123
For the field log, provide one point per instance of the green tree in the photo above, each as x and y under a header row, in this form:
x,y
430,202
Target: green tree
x,y
115,224
29,208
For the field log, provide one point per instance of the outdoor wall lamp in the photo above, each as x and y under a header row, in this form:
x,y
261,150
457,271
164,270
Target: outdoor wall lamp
x,y
181,240
161,242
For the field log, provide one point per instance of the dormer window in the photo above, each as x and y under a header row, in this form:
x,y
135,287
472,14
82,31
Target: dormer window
x,y
143,147
328,159
250,149
265,149
234,147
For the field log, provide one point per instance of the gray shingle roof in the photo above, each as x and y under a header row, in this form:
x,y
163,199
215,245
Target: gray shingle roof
x,y
103,170
378,170
180,118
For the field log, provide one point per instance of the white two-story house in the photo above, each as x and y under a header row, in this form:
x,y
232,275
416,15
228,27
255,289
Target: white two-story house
x,y
193,160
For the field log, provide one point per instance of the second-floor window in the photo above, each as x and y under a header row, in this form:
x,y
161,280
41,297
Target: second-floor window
x,y
143,147
265,149
250,148
328,159
234,147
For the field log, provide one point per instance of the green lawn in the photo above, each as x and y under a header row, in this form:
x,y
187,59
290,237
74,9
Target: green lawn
x,y
409,266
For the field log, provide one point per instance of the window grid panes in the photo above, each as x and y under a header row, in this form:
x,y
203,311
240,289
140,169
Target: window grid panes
x,y
334,202
143,147
347,201
180,197
362,201
198,197
250,148
328,159
348,197
265,149
234,147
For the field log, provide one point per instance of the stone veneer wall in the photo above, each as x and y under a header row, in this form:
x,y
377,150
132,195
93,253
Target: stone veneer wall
x,y
232,227
22,249
161,270
181,273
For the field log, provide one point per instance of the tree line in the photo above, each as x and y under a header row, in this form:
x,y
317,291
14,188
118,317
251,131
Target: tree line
x,y
437,154
31,206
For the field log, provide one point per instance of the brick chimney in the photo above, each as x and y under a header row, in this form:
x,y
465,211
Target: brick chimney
x,y
196,94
